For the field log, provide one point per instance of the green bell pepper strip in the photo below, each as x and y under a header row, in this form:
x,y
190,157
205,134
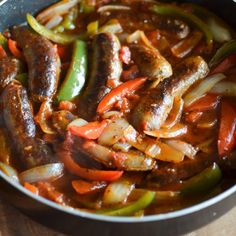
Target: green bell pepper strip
x,y
223,52
131,208
76,75
220,30
168,10
23,79
3,41
202,182
49,34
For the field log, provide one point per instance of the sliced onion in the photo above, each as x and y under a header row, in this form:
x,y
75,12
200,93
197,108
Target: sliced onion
x,y
169,154
47,172
9,171
98,152
220,33
120,146
59,8
175,114
134,161
112,8
112,114
43,116
139,35
186,148
225,88
54,21
112,26
78,122
173,132
146,145
117,192
205,86
113,132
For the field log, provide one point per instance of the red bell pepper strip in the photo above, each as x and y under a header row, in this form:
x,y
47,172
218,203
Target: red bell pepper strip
x,y
89,174
193,116
225,65
205,103
118,93
12,45
84,187
2,52
31,188
226,139
91,130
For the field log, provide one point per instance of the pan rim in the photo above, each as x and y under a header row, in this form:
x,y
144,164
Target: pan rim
x,y
122,219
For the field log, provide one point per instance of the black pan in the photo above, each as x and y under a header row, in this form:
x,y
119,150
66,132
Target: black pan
x,y
74,222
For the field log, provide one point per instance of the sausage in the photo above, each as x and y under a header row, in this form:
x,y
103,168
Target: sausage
x,y
170,173
105,69
9,68
150,62
43,63
156,103
19,124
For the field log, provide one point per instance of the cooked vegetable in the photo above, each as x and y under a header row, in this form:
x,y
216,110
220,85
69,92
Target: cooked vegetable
x,y
83,187
173,132
203,87
112,8
9,171
223,52
188,17
12,45
184,47
186,148
117,192
121,91
49,34
47,172
221,32
207,102
112,107
130,209
202,182
92,130
59,8
76,75
226,138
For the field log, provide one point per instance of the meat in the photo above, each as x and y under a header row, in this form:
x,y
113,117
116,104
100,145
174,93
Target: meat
x,y
43,63
105,71
151,63
170,173
156,103
19,123
8,70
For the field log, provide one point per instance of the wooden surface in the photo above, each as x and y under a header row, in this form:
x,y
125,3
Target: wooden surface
x,y
13,223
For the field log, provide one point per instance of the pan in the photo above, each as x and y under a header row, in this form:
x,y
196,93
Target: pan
x,y
74,222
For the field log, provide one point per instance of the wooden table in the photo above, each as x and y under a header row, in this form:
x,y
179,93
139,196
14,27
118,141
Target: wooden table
x,y
13,223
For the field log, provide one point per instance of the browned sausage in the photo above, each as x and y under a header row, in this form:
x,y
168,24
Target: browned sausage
x,y
150,62
20,126
43,63
105,68
154,107
169,173
8,71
